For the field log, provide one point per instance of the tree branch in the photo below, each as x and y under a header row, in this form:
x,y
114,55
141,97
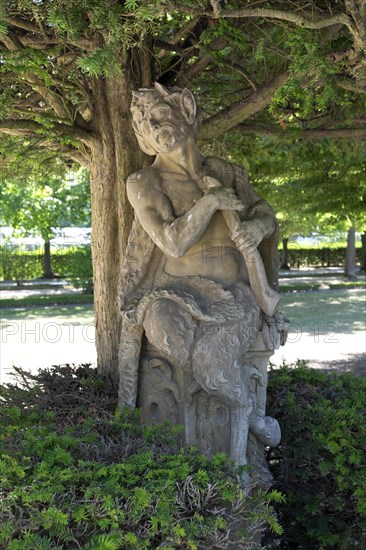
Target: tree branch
x,y
315,133
192,70
309,22
25,127
351,86
80,157
51,97
81,42
239,69
236,113
182,32
55,100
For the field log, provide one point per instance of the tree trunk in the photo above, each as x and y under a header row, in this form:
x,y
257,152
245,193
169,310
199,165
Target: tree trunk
x,y
47,267
350,267
363,251
284,256
115,155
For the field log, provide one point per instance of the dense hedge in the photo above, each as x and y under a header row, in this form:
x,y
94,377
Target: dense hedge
x,y
20,265
320,464
75,474
73,263
76,264
319,256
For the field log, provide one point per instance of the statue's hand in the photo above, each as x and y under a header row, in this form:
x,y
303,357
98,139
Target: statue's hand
x,y
224,198
249,235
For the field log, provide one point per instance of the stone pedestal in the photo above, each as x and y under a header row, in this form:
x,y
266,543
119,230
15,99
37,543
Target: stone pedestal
x,y
169,394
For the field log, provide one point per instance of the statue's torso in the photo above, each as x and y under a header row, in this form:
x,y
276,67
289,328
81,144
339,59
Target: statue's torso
x,y
214,256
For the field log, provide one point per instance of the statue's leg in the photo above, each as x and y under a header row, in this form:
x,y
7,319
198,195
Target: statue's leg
x,y
219,369
213,353
171,330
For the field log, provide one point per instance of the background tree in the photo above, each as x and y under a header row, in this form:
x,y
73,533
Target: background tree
x,y
42,194
68,69
316,187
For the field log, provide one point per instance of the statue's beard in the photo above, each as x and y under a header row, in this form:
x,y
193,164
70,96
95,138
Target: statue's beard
x,y
166,137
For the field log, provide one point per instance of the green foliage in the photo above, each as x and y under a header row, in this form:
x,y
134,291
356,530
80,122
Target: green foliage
x,y
75,264
313,186
99,63
75,473
17,265
307,59
319,465
34,60
40,197
319,255
49,198
72,263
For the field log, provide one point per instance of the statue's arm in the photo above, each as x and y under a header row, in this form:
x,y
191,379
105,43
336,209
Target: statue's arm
x,y
173,235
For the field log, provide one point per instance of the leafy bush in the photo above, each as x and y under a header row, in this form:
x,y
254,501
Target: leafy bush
x,y
320,465
319,256
75,264
19,265
72,263
75,474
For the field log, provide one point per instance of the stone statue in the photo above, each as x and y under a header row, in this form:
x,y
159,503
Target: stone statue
x,y
199,318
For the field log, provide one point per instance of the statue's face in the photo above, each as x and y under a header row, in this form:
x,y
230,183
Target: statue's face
x,y
161,127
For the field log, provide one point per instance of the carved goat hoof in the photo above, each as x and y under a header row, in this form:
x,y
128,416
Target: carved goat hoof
x,y
267,429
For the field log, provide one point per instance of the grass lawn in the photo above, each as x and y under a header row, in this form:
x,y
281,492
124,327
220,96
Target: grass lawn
x,y
47,300
41,336
342,309
82,313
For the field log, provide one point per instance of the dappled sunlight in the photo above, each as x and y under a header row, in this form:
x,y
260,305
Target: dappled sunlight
x,y
51,312
42,342
325,327
314,311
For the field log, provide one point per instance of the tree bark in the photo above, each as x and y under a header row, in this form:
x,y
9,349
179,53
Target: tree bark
x,y
115,155
350,266
284,256
47,265
363,251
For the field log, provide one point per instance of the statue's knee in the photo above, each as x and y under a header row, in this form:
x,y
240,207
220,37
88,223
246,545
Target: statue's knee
x,y
158,313
170,329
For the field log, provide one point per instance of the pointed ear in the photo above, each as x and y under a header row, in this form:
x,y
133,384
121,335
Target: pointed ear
x,y
188,106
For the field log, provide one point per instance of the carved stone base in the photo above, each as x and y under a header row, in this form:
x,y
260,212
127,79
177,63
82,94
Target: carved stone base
x,y
166,393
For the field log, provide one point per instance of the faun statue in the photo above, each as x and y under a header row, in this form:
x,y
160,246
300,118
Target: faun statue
x,y
199,298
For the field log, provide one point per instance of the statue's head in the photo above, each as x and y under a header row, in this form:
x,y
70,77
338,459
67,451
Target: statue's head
x,y
163,117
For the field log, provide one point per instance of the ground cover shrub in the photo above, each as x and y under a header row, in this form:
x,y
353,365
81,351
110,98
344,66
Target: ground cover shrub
x,y
76,474
320,464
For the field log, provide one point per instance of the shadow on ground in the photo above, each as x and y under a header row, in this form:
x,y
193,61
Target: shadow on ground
x,y
355,365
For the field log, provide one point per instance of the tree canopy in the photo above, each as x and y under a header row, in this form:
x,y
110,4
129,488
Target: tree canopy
x,y
49,198
68,68
40,194
305,62
315,187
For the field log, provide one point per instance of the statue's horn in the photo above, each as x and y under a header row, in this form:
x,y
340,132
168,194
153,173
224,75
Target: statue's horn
x,y
160,88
